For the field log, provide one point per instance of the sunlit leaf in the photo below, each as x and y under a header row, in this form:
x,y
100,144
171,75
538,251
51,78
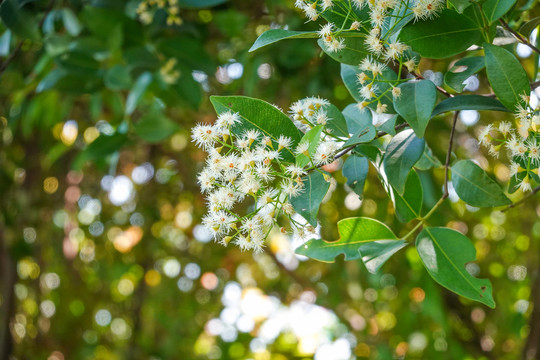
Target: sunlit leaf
x,y
445,252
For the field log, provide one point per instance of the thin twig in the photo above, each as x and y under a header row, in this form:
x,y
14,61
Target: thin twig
x,y
518,36
440,89
533,192
449,154
535,84
379,134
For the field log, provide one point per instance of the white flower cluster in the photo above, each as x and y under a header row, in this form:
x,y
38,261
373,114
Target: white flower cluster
x,y
250,167
522,143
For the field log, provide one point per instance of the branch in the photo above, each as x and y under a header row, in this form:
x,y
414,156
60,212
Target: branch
x,y
440,89
535,84
379,134
520,38
533,192
449,154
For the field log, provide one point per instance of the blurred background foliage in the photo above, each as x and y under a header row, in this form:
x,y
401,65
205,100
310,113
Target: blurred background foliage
x,y
102,254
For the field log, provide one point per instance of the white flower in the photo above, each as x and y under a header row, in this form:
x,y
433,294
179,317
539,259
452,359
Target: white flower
x,y
206,180
302,148
227,119
284,142
525,185
514,168
484,137
291,188
295,171
204,136
326,30
335,45
264,172
504,127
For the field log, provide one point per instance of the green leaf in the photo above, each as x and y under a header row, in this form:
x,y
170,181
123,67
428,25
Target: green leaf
x,y
495,9
262,116
428,160
403,151
71,23
441,37
103,146
475,187
409,205
308,202
389,126
5,41
506,76
445,252
460,5
189,52
118,78
274,35
454,80
415,104
362,136
374,254
353,233
468,102
357,119
369,151
137,92
527,28
352,54
337,122
20,21
155,126
355,169
312,138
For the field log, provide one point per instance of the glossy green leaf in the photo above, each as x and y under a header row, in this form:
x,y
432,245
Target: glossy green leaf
x,y
259,115
374,254
308,202
370,151
506,76
355,169
353,53
475,187
454,80
353,233
468,102
428,160
446,35
356,119
409,204
137,92
460,5
403,151
495,9
527,28
416,103
337,123
388,126
5,41
362,136
445,252
274,35
312,138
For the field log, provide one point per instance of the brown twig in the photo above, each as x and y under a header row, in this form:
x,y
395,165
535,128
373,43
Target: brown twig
x,y
440,89
449,154
518,36
535,84
533,192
